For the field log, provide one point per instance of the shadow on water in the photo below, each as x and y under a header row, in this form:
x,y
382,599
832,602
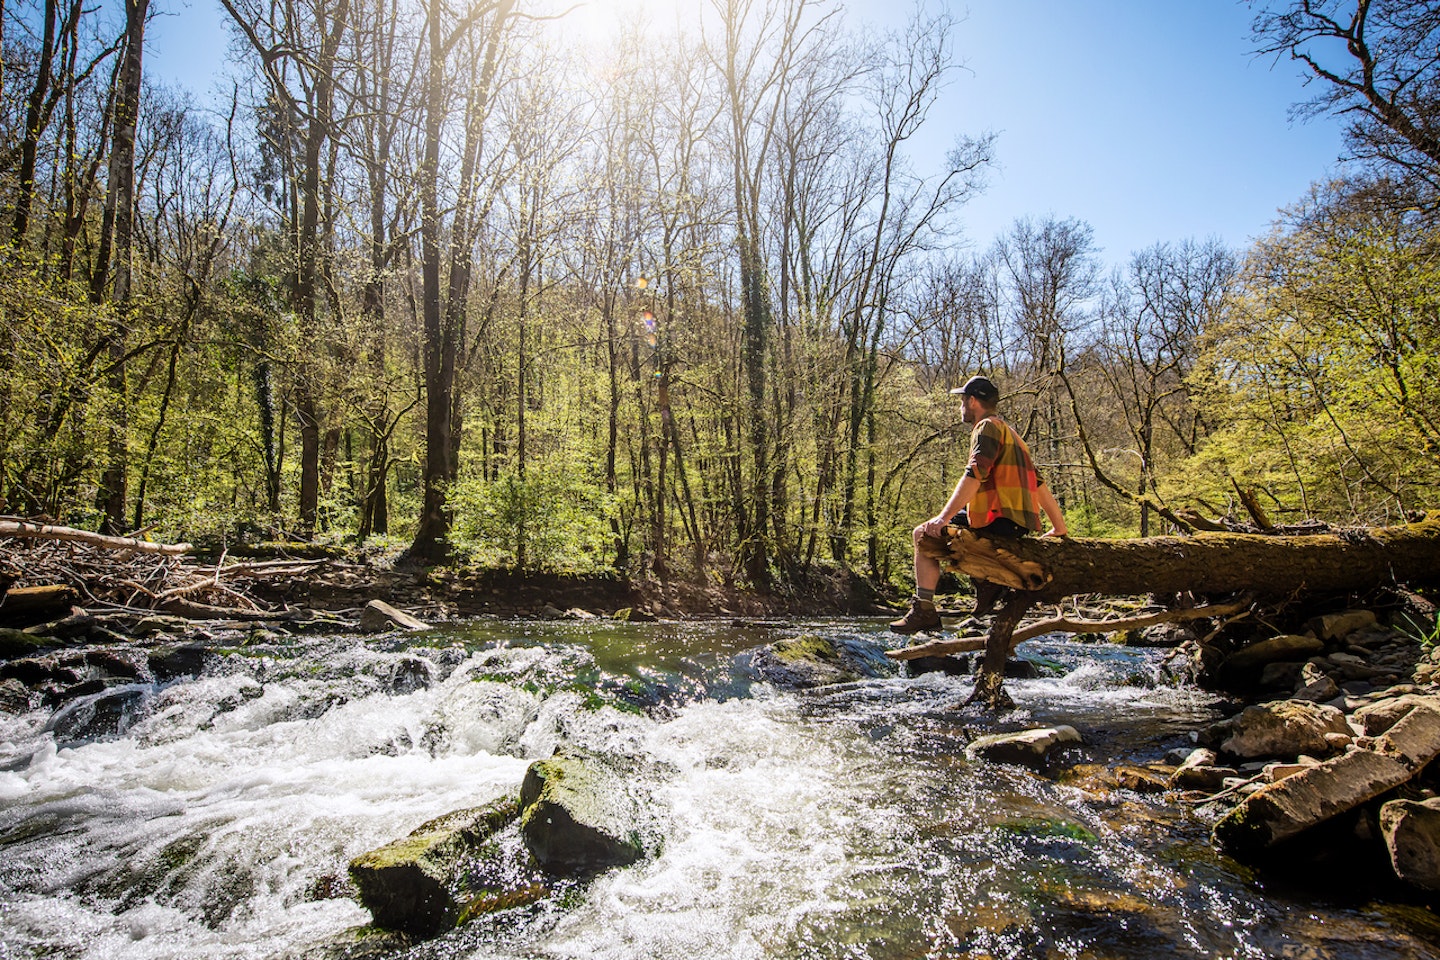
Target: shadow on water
x,y
841,822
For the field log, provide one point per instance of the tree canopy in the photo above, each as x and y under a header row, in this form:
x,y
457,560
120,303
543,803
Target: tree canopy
x,y
431,278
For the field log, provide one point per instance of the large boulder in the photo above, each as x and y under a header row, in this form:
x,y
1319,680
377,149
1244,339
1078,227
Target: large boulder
x,y
1376,718
1281,729
1412,837
1030,748
428,883
583,814
1295,804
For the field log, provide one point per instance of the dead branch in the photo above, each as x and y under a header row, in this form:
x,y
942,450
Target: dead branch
x,y
45,531
1061,624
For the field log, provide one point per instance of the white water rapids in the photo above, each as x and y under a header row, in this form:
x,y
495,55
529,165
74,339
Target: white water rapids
x,y
826,824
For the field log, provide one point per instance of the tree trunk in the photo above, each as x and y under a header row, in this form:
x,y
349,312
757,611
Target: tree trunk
x,y
119,224
1050,569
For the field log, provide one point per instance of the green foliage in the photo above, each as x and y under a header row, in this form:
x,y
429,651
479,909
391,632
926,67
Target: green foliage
x,y
554,517
1323,381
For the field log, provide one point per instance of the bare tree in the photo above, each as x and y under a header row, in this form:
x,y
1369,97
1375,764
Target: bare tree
x,y
1378,63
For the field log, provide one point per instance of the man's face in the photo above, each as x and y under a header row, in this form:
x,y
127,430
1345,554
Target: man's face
x,y
968,406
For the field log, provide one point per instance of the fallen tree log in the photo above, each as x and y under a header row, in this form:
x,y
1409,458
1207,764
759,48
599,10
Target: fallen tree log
x,y
1051,569
46,531
1208,564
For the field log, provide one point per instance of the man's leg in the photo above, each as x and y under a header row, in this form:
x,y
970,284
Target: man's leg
x,y
922,614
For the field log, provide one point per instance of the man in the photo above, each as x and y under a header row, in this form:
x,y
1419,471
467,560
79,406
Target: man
x,y
1000,495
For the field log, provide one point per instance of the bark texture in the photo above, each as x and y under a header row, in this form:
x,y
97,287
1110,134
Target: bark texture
x,y
1205,564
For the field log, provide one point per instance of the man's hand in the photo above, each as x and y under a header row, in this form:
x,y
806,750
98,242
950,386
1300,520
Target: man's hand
x,y
935,526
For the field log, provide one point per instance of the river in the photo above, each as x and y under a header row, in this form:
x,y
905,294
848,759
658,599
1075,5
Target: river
x,y
217,819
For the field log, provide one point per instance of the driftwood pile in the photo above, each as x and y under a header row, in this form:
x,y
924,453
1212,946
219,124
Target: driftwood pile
x,y
44,566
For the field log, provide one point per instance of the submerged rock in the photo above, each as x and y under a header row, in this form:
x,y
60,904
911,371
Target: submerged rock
x,y
1030,748
812,660
582,816
422,885
100,715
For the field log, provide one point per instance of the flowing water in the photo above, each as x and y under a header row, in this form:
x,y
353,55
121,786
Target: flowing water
x,y
217,820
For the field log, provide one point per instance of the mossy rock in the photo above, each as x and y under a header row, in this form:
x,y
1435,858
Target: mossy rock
x,y
15,644
583,815
811,660
426,883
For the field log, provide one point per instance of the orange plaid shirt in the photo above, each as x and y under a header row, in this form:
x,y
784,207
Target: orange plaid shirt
x,y
1001,461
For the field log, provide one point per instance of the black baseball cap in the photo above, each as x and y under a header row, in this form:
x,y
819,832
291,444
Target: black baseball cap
x,y
980,388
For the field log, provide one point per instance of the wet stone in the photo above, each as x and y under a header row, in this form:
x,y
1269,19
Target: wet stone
x,y
14,697
99,715
1030,748
582,815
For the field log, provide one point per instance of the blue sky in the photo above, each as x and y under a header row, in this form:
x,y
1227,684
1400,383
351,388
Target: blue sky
x,y
1148,119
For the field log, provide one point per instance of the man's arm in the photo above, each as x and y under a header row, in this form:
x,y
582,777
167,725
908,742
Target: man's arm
x,y
1047,503
964,493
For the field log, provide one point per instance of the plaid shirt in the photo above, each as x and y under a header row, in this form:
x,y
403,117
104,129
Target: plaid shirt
x,y
1001,461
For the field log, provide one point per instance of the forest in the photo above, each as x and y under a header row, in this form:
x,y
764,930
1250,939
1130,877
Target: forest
x,y
432,280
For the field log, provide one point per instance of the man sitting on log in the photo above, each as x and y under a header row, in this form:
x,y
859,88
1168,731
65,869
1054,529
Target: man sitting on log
x,y
1000,495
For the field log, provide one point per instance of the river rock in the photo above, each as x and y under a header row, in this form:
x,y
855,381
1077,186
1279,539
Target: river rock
x,y
1412,837
100,715
1286,646
185,660
1201,770
425,884
813,660
1279,729
15,644
1290,806
1414,740
1376,718
378,616
1333,626
1030,748
582,815
14,697
1315,685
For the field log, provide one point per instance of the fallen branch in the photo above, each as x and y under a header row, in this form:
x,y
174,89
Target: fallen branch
x,y
46,531
937,648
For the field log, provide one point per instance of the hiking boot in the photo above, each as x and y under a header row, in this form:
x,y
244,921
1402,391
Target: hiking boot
x,y
987,595
920,616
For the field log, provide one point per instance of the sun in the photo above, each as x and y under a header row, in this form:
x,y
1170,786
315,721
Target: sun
x,y
596,20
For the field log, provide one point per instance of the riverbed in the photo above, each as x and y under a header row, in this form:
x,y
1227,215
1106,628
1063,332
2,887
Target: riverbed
x,y
215,818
